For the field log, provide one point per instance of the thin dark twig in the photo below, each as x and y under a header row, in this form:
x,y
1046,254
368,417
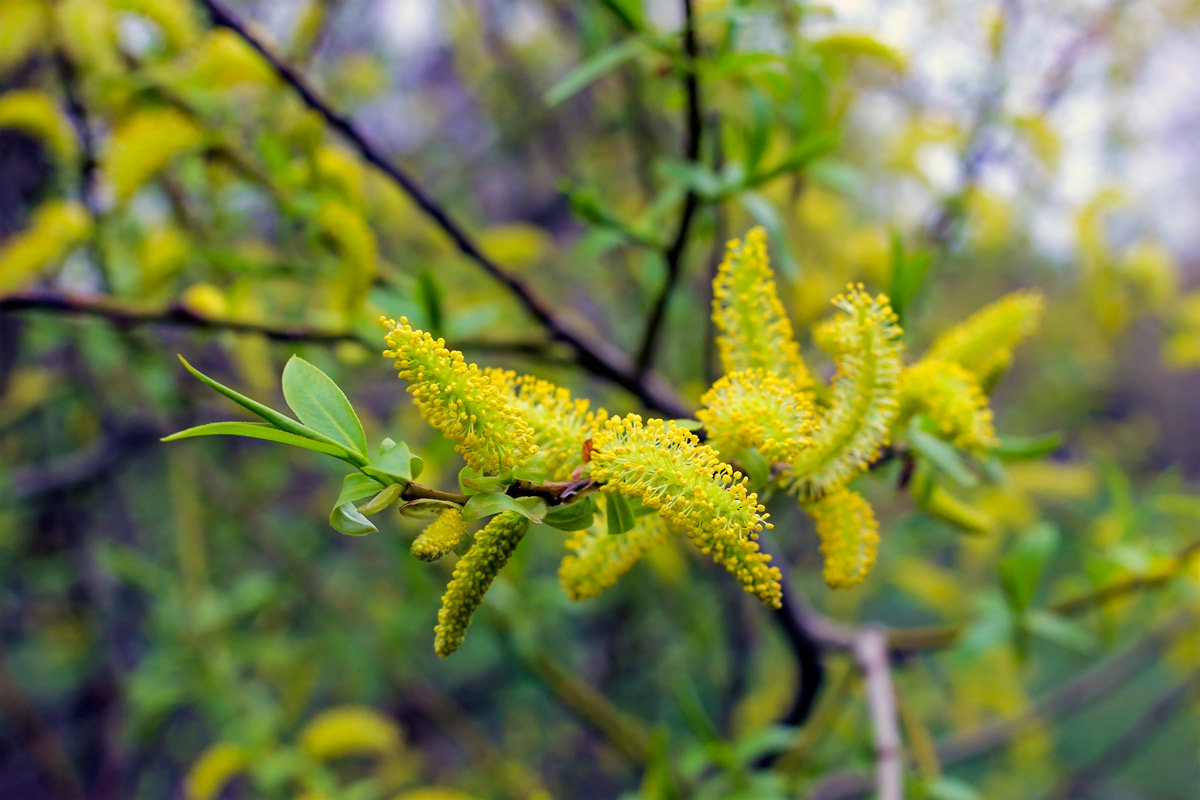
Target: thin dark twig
x,y
122,314
599,358
691,201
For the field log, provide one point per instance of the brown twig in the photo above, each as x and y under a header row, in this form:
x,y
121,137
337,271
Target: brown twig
x,y
599,358
691,201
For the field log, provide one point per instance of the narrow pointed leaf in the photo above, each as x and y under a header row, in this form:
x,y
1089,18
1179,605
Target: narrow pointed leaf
x,y
258,430
487,504
619,514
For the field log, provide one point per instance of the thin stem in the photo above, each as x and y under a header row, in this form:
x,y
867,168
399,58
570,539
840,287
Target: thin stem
x,y
691,201
599,358
870,649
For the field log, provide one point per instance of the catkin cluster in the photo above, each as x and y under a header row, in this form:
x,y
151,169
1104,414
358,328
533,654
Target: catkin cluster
x,y
461,401
669,470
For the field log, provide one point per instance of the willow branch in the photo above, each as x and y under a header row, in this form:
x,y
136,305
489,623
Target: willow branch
x,y
125,314
691,201
599,358
870,649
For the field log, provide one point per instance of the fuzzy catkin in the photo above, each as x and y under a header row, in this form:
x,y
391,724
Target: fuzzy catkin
x,y
597,559
473,575
442,535
458,399
849,535
755,332
669,470
863,403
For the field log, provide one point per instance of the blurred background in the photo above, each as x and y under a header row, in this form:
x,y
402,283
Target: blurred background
x,y
178,620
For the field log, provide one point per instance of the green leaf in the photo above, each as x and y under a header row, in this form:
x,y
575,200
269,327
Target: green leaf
x,y
944,788
471,482
592,69
396,460
347,519
619,513
939,453
389,495
1054,628
489,503
1022,566
572,516
797,158
1020,448
321,405
344,516
280,421
356,486
908,273
257,430
767,215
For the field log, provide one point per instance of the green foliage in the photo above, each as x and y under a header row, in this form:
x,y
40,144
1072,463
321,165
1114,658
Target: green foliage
x,y
999,480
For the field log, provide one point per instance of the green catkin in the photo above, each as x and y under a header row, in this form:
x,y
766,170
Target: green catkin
x,y
849,535
863,402
560,424
669,470
458,399
442,536
755,332
473,574
597,559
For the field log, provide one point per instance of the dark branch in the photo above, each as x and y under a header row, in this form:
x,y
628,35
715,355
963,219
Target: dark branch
x,y
599,358
691,201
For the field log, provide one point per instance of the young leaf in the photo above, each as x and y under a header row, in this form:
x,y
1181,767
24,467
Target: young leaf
x,y
321,405
1023,566
489,503
257,430
618,513
396,460
356,486
471,482
939,453
591,70
1020,448
572,516
347,519
280,421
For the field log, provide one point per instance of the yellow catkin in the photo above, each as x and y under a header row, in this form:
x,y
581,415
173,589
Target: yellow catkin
x,y
596,559
473,575
983,343
755,333
669,470
849,536
560,424
863,400
756,408
952,398
442,536
459,400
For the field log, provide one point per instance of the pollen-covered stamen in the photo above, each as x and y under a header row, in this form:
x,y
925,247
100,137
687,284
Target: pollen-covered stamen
x,y
849,536
755,333
863,401
669,470
459,400
597,559
756,408
952,398
473,575
560,424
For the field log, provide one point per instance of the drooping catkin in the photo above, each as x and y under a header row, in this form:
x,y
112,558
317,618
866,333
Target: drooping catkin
x,y
442,535
473,575
863,402
669,470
